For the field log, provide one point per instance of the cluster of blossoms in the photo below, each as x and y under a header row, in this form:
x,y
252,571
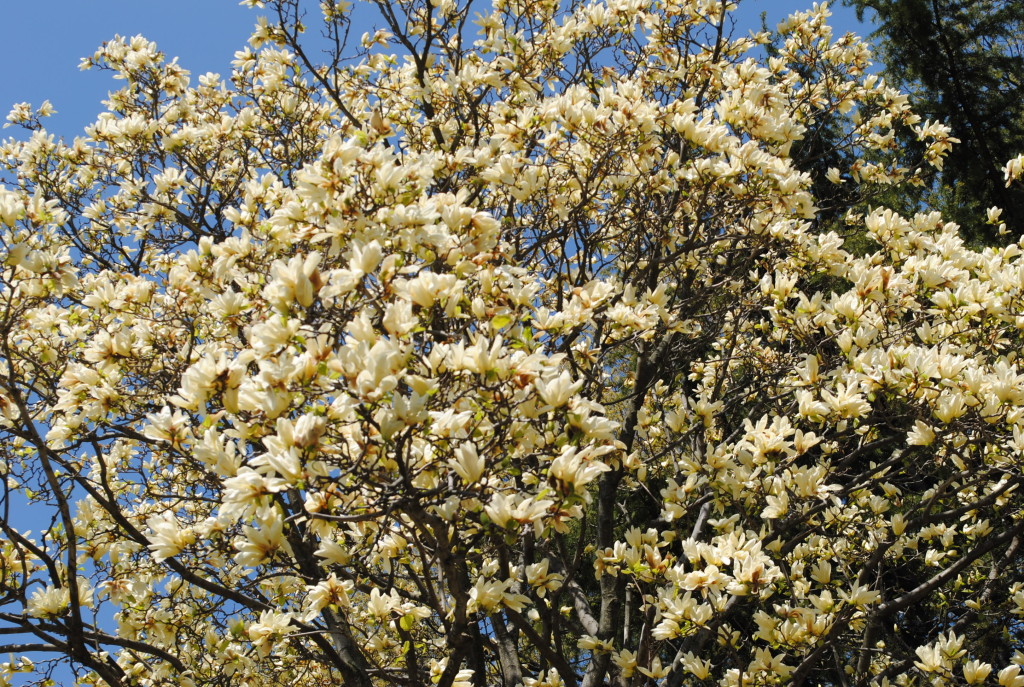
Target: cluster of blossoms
x,y
525,348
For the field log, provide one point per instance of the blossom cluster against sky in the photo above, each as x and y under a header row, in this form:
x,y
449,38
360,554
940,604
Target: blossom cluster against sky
x,y
45,42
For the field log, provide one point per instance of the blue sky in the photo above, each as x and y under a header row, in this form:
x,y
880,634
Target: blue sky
x,y
44,41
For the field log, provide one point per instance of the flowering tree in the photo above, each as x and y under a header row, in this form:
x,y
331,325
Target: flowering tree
x,y
503,347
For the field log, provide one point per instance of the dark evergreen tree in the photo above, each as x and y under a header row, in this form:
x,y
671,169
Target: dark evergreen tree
x,y
963,63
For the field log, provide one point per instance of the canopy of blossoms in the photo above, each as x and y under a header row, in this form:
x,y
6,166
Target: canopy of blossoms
x,y
540,343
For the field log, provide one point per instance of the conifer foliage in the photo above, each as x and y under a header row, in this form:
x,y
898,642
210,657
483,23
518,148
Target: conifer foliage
x,y
961,61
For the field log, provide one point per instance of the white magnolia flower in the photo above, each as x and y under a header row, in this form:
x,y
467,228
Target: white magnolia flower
x,y
168,538
271,627
468,463
48,602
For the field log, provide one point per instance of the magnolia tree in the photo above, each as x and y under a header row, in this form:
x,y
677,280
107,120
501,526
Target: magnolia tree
x,y
504,345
